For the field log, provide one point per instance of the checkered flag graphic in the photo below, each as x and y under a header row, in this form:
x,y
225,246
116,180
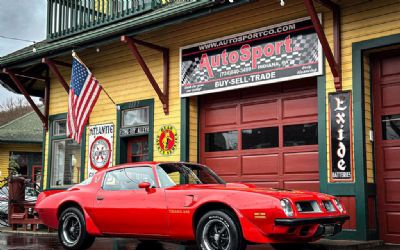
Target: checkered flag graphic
x,y
305,50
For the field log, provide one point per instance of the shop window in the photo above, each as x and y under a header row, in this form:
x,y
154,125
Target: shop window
x,y
22,162
391,127
66,157
222,141
300,134
135,117
59,128
66,163
260,138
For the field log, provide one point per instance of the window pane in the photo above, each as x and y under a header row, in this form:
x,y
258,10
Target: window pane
x,y
60,127
222,141
135,117
301,134
260,138
19,162
391,127
66,165
128,178
141,174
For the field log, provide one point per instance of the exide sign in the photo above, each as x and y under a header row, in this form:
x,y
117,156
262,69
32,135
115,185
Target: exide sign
x,y
270,54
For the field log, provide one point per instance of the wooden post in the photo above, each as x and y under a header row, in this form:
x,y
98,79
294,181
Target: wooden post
x,y
334,66
25,93
162,95
52,66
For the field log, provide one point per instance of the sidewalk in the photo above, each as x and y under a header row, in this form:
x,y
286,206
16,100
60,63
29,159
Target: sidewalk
x,y
323,244
27,232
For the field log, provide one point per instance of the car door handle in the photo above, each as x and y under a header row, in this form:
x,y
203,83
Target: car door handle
x,y
99,198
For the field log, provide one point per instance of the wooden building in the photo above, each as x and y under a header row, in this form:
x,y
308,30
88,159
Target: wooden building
x,y
21,142
243,87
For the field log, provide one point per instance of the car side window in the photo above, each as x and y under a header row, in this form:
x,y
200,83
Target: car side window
x,y
128,178
141,174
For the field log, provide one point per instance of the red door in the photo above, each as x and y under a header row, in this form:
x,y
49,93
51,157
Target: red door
x,y
265,135
121,207
138,149
386,93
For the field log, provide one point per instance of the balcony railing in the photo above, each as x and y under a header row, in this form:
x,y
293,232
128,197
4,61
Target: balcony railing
x,y
67,17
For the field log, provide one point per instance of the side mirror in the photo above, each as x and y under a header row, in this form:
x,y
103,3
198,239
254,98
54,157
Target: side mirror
x,y
145,185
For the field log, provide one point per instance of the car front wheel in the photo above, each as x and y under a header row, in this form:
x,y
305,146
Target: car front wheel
x,y
219,230
72,230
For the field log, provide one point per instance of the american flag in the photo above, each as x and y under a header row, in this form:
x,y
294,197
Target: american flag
x,y
83,93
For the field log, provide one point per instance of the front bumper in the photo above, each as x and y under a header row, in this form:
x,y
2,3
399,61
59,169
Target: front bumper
x,y
307,221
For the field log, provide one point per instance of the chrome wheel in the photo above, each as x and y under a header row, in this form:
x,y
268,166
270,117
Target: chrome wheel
x,y
216,235
71,229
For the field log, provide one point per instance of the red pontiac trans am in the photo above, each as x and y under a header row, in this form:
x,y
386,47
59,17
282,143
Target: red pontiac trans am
x,y
186,202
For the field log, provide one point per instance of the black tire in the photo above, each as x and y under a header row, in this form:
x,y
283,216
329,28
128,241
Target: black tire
x,y
219,229
72,230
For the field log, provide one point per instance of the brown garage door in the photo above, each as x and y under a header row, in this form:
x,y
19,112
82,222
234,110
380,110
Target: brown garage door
x,y
386,91
264,135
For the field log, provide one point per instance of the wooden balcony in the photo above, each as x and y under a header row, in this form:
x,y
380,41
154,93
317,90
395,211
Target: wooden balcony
x,y
69,17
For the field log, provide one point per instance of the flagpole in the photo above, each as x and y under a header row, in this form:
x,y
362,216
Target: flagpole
x,y
108,95
77,58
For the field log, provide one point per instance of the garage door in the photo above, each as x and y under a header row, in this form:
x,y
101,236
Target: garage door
x,y
386,92
264,135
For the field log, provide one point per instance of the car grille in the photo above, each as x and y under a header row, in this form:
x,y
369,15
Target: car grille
x,y
308,207
329,206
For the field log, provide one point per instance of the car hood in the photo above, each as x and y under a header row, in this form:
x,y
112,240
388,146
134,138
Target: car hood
x,y
250,188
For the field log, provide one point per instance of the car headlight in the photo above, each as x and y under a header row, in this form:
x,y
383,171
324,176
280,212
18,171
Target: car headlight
x,y
338,205
287,208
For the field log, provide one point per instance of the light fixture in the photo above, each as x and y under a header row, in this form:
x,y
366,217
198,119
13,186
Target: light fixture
x,y
97,49
282,3
34,48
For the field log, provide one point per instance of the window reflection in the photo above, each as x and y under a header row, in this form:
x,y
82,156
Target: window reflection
x,y
135,117
300,134
391,127
222,141
260,138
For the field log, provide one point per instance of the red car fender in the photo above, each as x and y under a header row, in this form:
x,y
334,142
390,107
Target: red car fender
x,y
91,227
251,232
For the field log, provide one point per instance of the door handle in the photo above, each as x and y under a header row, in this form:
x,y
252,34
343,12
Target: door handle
x,y
99,198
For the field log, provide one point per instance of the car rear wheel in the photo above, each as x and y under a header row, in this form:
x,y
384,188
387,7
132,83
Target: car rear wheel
x,y
72,230
219,230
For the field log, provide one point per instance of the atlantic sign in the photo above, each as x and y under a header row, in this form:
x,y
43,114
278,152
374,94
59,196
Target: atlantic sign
x,y
282,52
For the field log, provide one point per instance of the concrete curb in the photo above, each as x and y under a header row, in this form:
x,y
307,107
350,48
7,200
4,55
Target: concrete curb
x,y
8,230
348,244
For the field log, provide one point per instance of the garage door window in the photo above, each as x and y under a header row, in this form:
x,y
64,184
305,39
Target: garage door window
x,y
391,127
260,138
222,141
300,134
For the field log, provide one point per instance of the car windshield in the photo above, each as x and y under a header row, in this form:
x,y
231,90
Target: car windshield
x,y
172,174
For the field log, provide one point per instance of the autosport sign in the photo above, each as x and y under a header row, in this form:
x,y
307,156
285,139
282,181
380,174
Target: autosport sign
x,y
281,52
100,147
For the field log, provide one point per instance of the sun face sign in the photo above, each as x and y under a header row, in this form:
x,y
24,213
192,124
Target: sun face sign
x,y
167,140
100,153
